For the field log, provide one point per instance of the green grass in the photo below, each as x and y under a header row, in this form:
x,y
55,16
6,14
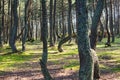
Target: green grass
x,y
72,64
67,59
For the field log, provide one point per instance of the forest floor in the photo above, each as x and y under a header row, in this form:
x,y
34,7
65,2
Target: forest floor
x,y
62,66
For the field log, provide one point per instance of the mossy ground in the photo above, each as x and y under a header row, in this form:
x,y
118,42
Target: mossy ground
x,y
109,57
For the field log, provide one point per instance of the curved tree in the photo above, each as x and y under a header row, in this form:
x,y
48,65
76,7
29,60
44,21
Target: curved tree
x,y
65,39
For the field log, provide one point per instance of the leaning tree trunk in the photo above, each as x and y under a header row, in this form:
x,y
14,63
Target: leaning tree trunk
x,y
95,21
44,33
13,33
85,55
26,18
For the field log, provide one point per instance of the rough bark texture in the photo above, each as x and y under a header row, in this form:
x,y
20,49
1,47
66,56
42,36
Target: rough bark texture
x,y
44,32
13,33
86,60
96,65
95,21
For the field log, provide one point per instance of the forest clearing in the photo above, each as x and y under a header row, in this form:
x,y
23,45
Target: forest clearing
x,y
62,66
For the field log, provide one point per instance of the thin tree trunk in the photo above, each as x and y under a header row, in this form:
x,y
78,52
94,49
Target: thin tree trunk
x,y
3,20
54,21
108,33
111,22
101,31
51,23
27,23
0,25
118,16
63,19
44,33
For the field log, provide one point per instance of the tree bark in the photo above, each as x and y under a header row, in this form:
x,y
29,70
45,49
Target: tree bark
x,y
65,39
85,55
51,23
13,33
111,22
27,23
106,24
44,33
0,26
95,21
54,22
3,20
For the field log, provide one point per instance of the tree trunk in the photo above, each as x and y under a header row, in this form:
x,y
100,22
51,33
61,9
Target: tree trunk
x,y
106,24
13,32
63,20
95,21
27,23
51,23
111,22
0,25
44,33
54,21
85,55
118,17
69,18
101,35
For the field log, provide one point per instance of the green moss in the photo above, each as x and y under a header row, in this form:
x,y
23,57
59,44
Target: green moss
x,y
71,64
67,59
116,69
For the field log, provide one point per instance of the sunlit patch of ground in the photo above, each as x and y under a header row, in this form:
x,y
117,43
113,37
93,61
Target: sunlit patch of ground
x,y
62,66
